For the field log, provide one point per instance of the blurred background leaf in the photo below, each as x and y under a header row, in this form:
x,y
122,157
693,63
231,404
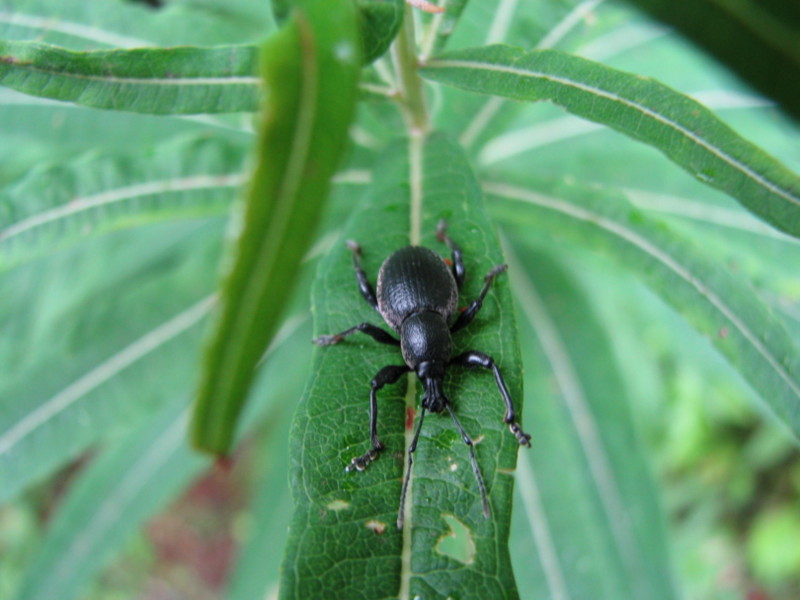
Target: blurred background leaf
x,y
758,40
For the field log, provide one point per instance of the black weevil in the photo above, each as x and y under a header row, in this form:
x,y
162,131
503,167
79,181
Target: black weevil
x,y
418,298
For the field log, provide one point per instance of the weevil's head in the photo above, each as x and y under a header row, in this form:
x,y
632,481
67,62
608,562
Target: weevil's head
x,y
426,345
432,378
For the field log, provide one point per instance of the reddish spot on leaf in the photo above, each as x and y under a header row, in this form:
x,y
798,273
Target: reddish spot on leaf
x,y
723,332
410,413
224,463
462,309
377,527
448,262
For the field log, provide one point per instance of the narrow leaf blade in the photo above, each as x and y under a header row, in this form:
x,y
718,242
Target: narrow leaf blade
x,y
684,130
311,68
343,537
59,205
186,80
586,448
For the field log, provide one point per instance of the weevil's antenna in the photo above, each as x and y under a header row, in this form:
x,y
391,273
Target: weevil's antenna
x,y
411,448
475,469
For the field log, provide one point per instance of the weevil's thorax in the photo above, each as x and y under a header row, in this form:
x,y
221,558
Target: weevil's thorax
x,y
415,280
426,344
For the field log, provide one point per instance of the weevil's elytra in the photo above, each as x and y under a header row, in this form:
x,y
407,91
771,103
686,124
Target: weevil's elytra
x,y
418,298
415,279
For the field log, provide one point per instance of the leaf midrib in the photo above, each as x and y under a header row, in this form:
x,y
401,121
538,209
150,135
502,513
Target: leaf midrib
x,y
416,191
106,197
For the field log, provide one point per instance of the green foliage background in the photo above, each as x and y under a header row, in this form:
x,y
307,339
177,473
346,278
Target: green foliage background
x,y
656,309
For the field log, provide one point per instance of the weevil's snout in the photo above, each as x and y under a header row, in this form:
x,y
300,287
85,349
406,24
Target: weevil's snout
x,y
434,399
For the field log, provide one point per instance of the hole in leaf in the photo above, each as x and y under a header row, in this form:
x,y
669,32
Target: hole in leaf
x,y
457,543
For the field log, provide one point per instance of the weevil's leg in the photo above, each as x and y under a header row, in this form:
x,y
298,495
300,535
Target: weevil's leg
x,y
465,318
458,258
411,449
385,376
363,283
475,469
474,359
371,330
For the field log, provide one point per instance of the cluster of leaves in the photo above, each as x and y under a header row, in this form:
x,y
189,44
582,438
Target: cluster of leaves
x,y
634,228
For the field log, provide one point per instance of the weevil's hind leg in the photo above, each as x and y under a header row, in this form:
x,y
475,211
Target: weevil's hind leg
x,y
458,258
407,476
475,468
474,359
465,318
363,283
385,376
375,332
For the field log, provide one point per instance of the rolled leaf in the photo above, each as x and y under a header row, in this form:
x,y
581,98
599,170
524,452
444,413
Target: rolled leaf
x,y
311,68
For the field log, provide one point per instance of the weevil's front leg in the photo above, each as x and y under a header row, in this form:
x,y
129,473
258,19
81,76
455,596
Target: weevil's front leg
x,y
465,318
385,376
474,359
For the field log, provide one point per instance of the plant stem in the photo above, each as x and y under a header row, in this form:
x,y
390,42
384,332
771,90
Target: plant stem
x,y
412,93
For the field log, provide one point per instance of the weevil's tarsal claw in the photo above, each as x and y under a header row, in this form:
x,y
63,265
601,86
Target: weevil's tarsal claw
x,y
495,271
441,230
360,463
354,246
523,438
327,340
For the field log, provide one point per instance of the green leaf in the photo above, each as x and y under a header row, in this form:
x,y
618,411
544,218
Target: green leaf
x,y
183,80
127,483
714,301
380,20
585,447
644,109
60,205
81,26
343,538
444,24
311,68
756,38
131,347
256,570
137,474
